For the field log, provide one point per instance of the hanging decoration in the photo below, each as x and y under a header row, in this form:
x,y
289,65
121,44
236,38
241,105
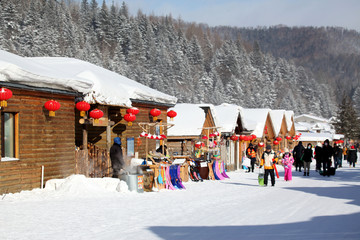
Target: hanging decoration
x,y
5,94
96,114
171,114
276,142
253,136
132,110
129,118
266,130
204,137
212,135
288,137
261,144
242,138
163,136
52,106
155,113
143,134
217,133
279,139
234,138
82,107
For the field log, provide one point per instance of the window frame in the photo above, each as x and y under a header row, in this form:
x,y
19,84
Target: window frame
x,y
16,137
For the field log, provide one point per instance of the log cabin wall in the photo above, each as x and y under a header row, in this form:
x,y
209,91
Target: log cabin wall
x,y
40,140
97,134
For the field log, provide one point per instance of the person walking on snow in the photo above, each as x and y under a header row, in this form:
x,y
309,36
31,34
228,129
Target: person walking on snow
x,y
298,153
268,159
352,156
307,159
116,156
251,153
328,152
288,162
338,152
318,156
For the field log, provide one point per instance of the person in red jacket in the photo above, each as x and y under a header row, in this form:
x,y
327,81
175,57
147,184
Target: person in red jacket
x,y
268,159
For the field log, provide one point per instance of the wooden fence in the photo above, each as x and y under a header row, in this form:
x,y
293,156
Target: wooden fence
x,y
93,162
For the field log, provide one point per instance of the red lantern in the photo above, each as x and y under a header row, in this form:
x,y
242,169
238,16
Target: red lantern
x,y
253,136
163,136
288,137
276,142
234,138
82,107
247,138
171,114
132,110
242,137
205,137
96,114
261,144
211,135
52,106
198,145
129,118
5,94
155,113
279,139
266,130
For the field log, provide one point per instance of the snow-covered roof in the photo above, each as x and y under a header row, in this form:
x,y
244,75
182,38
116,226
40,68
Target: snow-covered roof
x,y
254,120
277,118
303,117
213,112
227,116
189,120
315,137
289,115
98,84
26,71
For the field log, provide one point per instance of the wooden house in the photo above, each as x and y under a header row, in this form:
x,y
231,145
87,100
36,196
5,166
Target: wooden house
x,y
290,127
192,123
230,123
280,128
35,147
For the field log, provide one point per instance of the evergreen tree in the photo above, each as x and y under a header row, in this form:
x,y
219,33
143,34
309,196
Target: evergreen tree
x,y
347,120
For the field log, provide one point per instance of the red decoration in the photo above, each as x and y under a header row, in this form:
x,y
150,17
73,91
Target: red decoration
x,y
242,138
163,136
253,136
211,135
217,133
247,138
155,113
276,142
96,114
82,107
132,110
171,114
52,106
5,94
234,138
198,145
266,130
129,118
261,144
143,134
279,139
288,137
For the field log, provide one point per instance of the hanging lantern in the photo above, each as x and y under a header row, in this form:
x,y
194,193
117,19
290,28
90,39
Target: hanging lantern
x,y
132,110
217,133
198,145
261,144
96,114
253,136
171,114
276,142
163,136
279,139
155,113
52,106
288,137
82,107
234,138
247,138
242,138
129,118
212,135
266,130
204,137
5,94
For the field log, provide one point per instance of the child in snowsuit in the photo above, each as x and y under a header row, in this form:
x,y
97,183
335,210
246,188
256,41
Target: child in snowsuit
x,y
287,161
268,160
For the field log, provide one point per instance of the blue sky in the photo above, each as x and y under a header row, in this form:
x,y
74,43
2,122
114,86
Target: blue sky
x,y
252,13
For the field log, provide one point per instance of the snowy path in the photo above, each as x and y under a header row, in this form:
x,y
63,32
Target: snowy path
x,y
313,207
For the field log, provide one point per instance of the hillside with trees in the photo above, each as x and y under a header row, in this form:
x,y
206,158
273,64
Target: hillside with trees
x,y
193,62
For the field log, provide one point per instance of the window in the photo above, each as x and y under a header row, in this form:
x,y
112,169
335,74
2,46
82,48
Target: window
x,y
9,138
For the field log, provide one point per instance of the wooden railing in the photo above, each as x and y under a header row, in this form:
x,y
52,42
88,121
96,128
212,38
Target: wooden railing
x,y
93,162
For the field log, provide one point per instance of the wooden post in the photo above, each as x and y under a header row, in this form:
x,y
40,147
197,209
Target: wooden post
x,y
108,137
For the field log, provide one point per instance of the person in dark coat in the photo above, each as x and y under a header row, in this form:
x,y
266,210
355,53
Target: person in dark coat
x,y
251,153
328,152
298,153
337,155
352,156
318,156
116,156
307,159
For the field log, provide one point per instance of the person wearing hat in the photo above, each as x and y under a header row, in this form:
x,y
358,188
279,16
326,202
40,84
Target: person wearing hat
x,y
288,162
268,159
116,156
251,153
352,156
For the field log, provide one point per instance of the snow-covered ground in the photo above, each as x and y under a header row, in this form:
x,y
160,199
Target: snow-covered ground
x,y
313,207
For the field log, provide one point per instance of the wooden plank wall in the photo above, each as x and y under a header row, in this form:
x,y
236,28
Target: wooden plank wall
x,y
43,140
97,135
